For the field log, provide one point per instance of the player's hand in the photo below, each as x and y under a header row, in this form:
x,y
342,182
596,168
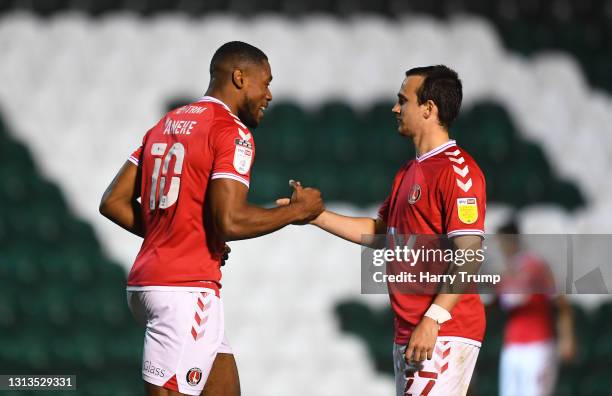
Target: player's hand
x,y
422,341
283,201
226,252
287,201
308,200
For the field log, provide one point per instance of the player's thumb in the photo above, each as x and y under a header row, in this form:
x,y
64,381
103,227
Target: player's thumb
x,y
283,201
296,185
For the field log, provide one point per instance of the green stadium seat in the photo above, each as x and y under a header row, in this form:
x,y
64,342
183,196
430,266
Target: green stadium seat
x,y
484,385
596,383
81,349
379,139
284,136
566,194
125,350
568,381
603,317
50,305
14,188
96,7
269,182
48,7
9,315
117,385
335,134
22,265
50,194
369,184
25,350
151,7
374,326
584,332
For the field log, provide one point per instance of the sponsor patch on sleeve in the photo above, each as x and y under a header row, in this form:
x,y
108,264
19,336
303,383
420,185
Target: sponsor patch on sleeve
x,y
243,156
467,210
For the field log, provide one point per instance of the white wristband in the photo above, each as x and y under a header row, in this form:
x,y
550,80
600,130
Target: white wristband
x,y
437,313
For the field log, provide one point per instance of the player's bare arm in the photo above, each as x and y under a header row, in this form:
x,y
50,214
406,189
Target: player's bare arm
x,y
235,218
352,229
423,338
119,202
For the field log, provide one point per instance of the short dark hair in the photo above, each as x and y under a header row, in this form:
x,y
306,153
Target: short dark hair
x,y
237,52
443,87
510,227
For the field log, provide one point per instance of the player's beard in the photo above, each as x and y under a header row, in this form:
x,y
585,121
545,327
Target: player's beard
x,y
248,115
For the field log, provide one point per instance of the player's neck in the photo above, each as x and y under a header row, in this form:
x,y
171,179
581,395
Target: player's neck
x,y
225,97
427,141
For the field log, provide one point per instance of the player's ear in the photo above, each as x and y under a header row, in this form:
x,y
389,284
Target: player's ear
x,y
238,78
429,109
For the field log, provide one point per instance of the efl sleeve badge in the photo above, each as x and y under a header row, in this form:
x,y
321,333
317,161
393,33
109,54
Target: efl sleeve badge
x,y
243,156
467,209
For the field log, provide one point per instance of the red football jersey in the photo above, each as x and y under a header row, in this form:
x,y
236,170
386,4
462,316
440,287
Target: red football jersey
x,y
178,157
441,192
531,321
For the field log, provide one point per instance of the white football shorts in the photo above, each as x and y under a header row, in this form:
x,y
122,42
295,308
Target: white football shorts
x,y
448,373
184,332
528,369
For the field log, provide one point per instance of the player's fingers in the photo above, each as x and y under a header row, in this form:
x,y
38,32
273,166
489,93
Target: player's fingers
x,y
295,184
282,201
419,354
429,353
423,354
409,352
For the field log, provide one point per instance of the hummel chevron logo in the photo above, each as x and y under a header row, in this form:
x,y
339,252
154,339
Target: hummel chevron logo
x,y
244,136
453,153
459,160
465,186
201,317
461,172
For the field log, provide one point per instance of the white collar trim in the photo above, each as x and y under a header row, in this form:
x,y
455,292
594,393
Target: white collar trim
x,y
214,100
437,150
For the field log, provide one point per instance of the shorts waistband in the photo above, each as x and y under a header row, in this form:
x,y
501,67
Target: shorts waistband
x,y
210,288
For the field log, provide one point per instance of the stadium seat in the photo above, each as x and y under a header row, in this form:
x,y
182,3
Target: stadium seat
x,y
334,131
95,7
83,349
285,135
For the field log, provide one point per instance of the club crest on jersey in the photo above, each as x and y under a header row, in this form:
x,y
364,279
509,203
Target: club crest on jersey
x,y
467,209
194,376
415,194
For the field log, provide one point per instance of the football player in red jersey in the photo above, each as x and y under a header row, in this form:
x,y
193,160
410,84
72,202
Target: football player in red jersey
x,y
192,174
440,192
532,348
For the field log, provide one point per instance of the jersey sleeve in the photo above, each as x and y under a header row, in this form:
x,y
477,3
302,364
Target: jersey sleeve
x,y
462,192
136,155
134,158
383,212
234,152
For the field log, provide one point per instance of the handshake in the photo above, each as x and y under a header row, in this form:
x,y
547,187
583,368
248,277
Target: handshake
x,y
306,201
